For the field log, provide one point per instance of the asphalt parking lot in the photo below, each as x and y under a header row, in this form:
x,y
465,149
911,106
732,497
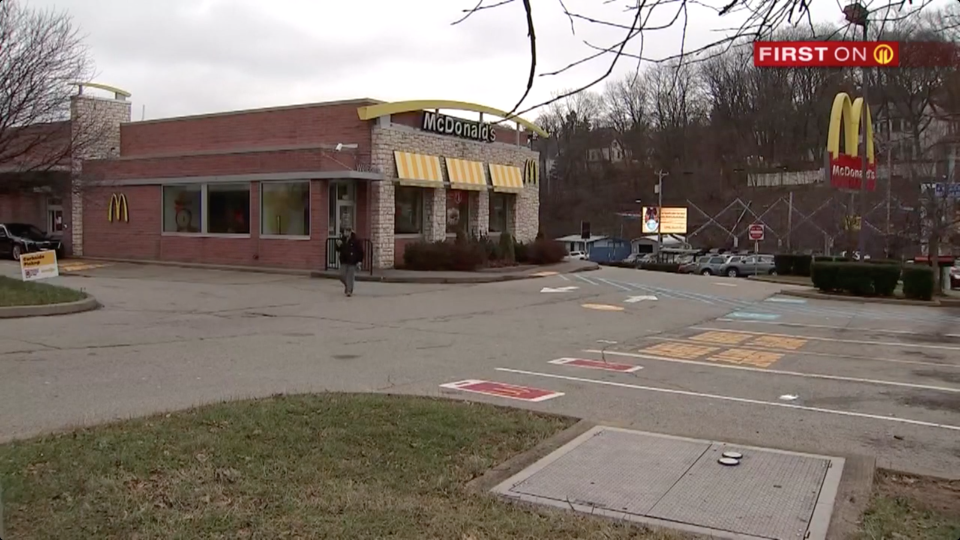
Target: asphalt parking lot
x,y
714,358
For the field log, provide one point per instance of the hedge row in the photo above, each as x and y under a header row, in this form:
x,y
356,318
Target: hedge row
x,y
873,278
469,254
789,264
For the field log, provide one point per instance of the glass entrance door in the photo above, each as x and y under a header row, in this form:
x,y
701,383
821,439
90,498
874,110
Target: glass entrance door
x,y
343,204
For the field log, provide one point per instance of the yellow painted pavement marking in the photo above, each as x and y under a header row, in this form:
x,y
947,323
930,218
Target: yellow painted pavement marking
x,y
602,307
680,350
778,342
746,357
724,338
76,267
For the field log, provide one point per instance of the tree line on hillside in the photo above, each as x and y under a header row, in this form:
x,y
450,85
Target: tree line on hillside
x,y
709,124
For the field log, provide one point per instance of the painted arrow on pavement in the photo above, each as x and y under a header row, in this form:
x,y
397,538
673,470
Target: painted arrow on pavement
x,y
559,289
635,299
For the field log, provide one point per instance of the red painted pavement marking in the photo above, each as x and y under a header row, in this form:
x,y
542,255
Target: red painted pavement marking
x,y
596,364
490,388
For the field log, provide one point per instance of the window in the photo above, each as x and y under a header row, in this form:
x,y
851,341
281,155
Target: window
x,y
182,209
228,208
285,208
499,206
458,211
408,215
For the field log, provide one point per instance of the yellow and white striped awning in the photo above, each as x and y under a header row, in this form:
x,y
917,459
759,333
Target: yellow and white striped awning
x,y
465,174
418,170
506,178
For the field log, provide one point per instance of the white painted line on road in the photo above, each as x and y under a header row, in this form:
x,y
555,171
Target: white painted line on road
x,y
780,372
581,278
725,284
558,289
828,327
621,287
834,340
786,300
755,316
635,299
826,355
563,277
734,399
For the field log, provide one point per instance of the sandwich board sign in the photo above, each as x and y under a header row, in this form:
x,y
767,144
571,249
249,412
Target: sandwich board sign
x,y
39,265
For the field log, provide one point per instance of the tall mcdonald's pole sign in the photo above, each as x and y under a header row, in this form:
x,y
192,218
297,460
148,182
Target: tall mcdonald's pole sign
x,y
118,210
846,168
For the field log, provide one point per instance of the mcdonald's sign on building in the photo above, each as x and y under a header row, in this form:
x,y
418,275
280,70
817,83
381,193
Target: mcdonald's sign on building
x,y
846,166
531,172
118,210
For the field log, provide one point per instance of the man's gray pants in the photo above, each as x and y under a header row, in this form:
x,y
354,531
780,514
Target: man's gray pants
x,y
348,275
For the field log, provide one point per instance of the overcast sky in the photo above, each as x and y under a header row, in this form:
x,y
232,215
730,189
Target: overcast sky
x,y
181,57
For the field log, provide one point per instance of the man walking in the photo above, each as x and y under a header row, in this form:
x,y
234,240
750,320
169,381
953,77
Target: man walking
x,y
351,254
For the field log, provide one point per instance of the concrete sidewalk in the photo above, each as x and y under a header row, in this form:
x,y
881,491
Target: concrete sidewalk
x,y
482,276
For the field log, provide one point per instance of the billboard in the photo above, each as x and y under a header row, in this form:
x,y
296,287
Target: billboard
x,y
666,220
846,168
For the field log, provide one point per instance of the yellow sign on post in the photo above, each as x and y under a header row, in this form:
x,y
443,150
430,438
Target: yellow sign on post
x,y
40,265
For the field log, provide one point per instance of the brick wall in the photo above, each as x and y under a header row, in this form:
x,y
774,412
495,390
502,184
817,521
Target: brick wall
x,y
95,123
23,208
524,222
329,123
141,237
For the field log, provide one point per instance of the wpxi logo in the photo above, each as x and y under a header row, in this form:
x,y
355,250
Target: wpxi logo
x,y
826,54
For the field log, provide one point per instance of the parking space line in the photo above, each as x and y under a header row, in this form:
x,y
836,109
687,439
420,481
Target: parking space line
x,y
778,342
835,340
826,355
681,350
723,338
779,372
758,359
734,399
581,278
612,284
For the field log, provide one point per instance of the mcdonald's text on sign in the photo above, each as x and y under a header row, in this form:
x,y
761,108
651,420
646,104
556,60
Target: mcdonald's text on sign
x,y
846,164
794,54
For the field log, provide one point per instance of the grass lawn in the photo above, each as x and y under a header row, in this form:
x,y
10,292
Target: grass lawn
x,y
14,292
321,466
912,508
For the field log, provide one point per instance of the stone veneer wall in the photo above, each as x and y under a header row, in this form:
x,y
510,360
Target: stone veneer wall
x,y
95,125
523,220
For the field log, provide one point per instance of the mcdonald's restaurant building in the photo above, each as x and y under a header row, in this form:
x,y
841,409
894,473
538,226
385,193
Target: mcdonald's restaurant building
x,y
273,187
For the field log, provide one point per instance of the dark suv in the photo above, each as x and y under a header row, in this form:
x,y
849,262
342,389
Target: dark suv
x,y
17,238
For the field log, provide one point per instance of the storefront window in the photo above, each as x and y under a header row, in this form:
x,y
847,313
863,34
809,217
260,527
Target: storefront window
x,y
285,208
182,209
458,209
499,206
228,208
408,217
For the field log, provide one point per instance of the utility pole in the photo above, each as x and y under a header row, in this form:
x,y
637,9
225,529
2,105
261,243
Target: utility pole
x,y
790,221
889,178
660,174
865,128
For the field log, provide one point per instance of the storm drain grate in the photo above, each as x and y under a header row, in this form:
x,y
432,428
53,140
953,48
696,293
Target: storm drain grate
x,y
678,482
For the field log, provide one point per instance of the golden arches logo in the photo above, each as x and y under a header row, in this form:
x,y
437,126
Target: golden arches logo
x,y
118,210
531,172
847,116
883,54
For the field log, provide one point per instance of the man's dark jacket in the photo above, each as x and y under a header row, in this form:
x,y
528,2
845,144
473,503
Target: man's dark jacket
x,y
351,251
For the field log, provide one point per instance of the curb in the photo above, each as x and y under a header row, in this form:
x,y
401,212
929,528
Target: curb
x,y
769,279
15,312
200,266
861,299
428,279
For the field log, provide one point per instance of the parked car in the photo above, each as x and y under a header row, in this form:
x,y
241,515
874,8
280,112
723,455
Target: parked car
x,y
954,276
19,238
711,265
749,265
577,255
